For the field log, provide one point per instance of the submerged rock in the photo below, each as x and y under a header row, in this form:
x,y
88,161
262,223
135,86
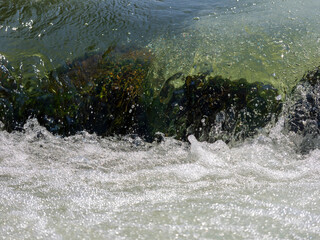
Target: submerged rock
x,y
303,116
11,98
213,108
97,93
109,94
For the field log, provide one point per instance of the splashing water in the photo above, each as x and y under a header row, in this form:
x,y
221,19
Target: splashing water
x,y
90,187
87,187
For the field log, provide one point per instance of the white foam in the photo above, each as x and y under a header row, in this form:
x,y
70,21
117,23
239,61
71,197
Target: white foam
x,y
90,187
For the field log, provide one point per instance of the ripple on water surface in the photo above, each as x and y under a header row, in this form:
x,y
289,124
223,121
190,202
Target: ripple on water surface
x,y
264,40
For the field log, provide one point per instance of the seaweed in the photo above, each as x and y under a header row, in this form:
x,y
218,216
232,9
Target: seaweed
x,y
110,94
214,108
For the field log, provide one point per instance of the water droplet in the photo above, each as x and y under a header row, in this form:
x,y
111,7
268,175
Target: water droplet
x,y
278,98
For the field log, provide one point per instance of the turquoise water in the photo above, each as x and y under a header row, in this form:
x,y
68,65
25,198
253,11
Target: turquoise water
x,y
88,187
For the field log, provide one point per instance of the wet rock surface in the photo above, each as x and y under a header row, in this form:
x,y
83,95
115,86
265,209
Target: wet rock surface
x,y
214,108
11,98
303,117
98,93
109,94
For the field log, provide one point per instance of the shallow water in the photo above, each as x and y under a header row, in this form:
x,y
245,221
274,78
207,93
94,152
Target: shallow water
x,y
102,188
87,187
269,41
39,35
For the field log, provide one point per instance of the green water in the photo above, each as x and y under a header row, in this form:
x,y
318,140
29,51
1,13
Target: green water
x,y
270,41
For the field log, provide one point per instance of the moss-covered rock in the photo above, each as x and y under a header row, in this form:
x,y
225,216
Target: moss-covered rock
x,y
98,93
109,94
11,98
213,108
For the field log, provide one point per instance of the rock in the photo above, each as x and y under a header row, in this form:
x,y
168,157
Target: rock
x,y
109,94
10,98
99,93
303,113
213,108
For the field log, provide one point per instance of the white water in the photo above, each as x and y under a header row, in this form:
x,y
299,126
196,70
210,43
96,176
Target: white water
x,y
85,187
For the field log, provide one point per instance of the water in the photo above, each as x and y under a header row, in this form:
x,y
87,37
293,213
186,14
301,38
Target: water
x,y
226,37
270,41
40,35
87,187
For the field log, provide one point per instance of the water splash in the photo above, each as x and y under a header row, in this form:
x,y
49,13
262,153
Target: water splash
x,y
90,187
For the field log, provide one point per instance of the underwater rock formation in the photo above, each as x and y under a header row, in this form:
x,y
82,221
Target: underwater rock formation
x,y
11,98
99,94
213,108
96,93
303,116
109,94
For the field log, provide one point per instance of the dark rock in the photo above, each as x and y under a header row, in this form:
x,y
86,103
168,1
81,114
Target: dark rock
x,y
11,97
303,116
97,93
109,94
213,108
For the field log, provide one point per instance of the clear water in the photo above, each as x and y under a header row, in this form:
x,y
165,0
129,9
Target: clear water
x,y
264,40
86,187
269,41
